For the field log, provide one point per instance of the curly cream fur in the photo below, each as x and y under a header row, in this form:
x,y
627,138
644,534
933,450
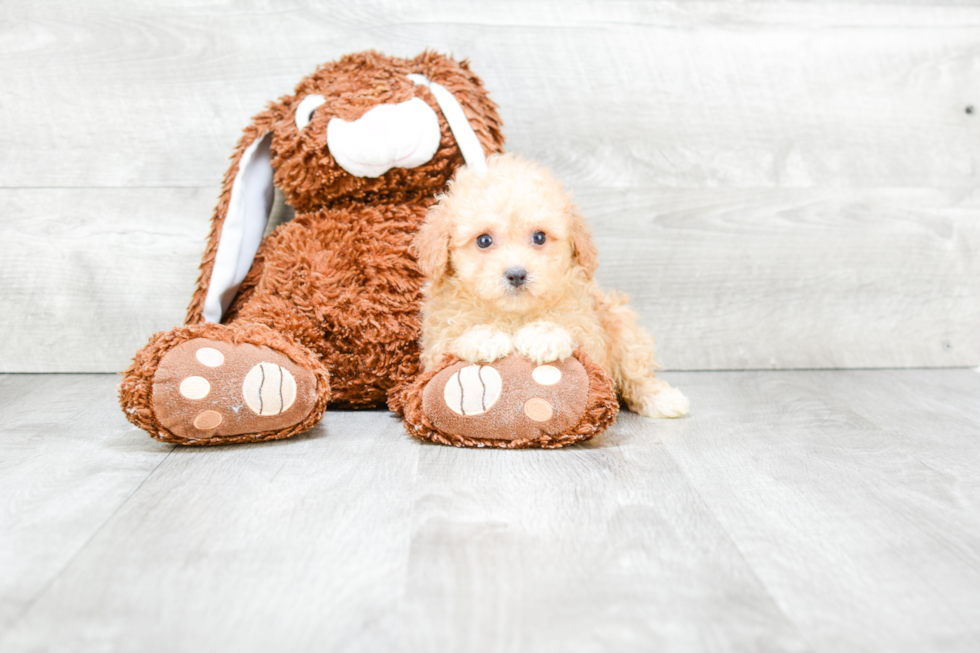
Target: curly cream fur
x,y
471,311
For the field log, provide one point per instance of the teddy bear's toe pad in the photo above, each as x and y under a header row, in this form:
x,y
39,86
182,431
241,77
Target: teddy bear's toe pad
x,y
207,389
510,399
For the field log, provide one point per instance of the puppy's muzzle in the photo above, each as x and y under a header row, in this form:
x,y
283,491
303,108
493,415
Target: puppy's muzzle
x,y
516,277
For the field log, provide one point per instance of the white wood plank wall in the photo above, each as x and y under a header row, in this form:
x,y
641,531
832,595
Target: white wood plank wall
x,y
778,185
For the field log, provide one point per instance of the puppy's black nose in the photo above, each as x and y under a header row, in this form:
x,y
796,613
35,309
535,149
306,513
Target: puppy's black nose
x,y
516,277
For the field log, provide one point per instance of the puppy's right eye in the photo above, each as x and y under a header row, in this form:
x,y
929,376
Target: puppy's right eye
x,y
483,241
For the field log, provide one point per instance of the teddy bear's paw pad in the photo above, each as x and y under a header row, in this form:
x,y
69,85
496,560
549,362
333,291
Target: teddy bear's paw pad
x,y
269,389
473,390
207,389
510,399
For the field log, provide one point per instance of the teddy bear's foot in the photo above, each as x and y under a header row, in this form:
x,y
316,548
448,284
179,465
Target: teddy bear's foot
x,y
203,384
512,403
205,389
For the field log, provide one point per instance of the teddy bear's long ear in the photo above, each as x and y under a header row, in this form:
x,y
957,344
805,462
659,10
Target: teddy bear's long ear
x,y
238,223
583,247
467,88
431,244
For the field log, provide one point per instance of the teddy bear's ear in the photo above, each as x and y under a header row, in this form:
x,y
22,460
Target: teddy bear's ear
x,y
238,224
583,247
241,233
457,78
467,140
431,244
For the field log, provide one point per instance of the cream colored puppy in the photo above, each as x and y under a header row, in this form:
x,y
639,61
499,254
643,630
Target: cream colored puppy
x,y
510,265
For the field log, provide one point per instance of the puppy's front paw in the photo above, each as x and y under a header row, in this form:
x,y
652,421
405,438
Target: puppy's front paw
x,y
669,402
543,342
483,345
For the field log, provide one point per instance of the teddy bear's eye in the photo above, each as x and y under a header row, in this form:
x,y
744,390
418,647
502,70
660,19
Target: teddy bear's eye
x,y
539,238
483,241
304,112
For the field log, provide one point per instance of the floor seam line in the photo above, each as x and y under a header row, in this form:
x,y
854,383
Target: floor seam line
x,y
47,586
738,550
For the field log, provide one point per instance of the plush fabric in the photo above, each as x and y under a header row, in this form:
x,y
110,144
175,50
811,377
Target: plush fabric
x,y
404,135
244,225
583,404
136,392
325,309
209,388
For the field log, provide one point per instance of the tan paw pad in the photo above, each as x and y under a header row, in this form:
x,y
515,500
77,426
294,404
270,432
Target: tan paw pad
x,y
538,409
269,389
473,390
546,375
210,357
209,419
195,387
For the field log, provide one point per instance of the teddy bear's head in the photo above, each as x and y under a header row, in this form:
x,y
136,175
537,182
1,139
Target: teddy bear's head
x,y
378,128
367,128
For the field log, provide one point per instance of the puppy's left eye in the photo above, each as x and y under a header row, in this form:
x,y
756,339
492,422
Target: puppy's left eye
x,y
483,241
538,238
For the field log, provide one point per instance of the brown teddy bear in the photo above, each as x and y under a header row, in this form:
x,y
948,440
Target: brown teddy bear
x,y
325,310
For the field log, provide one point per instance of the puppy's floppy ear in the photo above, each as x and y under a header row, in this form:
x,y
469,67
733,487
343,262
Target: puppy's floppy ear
x,y
431,244
583,248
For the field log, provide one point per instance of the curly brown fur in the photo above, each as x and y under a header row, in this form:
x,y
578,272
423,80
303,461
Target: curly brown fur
x,y
355,303
599,414
338,280
136,389
307,173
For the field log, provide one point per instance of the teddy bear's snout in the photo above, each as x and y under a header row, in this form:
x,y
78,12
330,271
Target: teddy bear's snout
x,y
404,135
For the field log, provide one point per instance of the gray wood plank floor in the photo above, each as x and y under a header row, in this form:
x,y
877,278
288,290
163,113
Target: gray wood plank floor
x,y
792,511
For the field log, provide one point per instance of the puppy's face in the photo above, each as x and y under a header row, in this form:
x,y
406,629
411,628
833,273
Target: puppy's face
x,y
511,237
513,253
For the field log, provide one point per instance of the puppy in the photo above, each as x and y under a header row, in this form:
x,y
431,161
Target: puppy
x,y
509,263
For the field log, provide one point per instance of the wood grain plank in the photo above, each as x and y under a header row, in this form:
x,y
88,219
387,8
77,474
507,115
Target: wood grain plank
x,y
852,495
90,274
778,185
346,540
597,548
838,278
293,545
68,461
822,511
635,94
726,279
